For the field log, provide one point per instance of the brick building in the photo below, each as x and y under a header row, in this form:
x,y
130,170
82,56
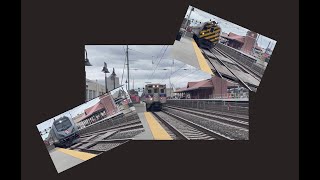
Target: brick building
x,y
104,108
205,89
245,44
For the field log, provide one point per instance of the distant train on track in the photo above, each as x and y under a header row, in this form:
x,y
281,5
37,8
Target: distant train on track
x,y
154,96
64,133
207,34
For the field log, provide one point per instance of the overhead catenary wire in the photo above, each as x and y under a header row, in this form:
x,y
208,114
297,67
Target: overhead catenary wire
x,y
174,72
142,53
158,62
187,75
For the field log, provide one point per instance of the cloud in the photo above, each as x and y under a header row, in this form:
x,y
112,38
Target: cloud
x,y
147,63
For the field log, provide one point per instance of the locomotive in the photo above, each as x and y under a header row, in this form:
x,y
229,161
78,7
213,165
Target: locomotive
x,y
64,133
207,34
154,96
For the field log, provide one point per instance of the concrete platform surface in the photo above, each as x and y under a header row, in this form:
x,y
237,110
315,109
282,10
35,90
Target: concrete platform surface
x,y
153,130
187,51
63,161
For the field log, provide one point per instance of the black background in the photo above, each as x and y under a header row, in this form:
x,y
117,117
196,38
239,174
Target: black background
x,y
53,37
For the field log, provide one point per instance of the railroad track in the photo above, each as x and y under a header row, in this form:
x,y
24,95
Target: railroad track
x,y
105,140
214,117
124,126
213,112
243,66
185,129
102,146
232,131
211,57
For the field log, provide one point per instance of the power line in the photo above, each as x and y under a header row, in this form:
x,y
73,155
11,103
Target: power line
x,y
159,62
174,72
189,74
142,53
159,54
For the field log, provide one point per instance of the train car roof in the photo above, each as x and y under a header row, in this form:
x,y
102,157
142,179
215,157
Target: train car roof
x,y
63,117
202,24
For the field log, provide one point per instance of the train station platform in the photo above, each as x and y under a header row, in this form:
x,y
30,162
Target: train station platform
x,y
64,159
153,130
187,51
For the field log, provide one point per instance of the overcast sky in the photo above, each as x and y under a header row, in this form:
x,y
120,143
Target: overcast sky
x,y
147,63
227,26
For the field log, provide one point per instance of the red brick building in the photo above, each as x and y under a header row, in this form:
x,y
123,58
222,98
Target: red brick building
x,y
205,89
242,43
108,103
102,109
249,42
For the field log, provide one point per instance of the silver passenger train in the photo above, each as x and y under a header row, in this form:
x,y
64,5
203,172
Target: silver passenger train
x,y
64,132
154,96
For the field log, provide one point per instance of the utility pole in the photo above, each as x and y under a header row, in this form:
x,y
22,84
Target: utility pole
x,y
128,67
188,19
186,25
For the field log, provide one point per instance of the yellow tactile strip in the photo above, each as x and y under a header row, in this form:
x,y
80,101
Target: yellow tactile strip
x,y
156,129
202,61
80,155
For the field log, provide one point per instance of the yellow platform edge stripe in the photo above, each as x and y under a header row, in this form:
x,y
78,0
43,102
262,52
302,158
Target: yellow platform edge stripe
x,y
77,154
201,60
156,129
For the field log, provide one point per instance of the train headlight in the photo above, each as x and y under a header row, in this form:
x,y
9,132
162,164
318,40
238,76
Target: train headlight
x,y
153,86
203,33
150,99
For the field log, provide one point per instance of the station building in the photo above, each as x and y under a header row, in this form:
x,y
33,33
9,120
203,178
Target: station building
x,y
245,43
105,107
94,89
214,87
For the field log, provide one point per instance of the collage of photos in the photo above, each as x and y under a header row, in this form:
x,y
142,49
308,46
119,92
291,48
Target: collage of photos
x,y
196,89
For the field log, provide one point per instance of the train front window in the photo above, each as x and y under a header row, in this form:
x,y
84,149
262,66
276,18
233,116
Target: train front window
x,y
63,124
156,90
149,91
162,90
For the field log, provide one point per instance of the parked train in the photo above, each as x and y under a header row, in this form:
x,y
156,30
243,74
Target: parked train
x,y
206,34
154,96
64,133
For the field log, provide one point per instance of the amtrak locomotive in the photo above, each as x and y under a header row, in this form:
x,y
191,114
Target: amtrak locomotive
x,y
64,133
